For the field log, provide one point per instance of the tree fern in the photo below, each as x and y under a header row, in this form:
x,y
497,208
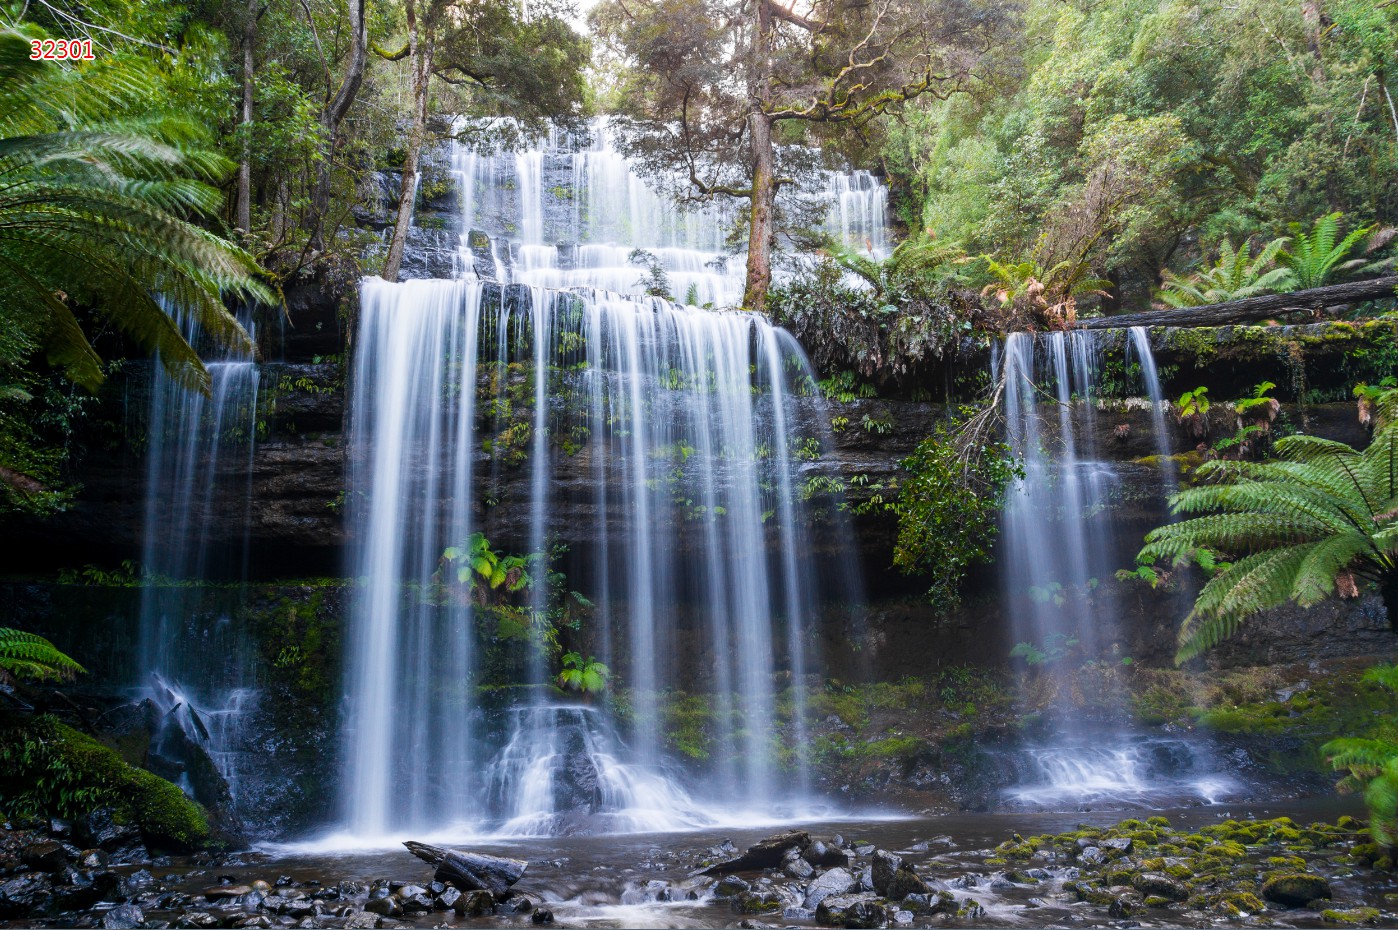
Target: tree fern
x,y
1319,256
1371,765
1238,274
31,657
1319,515
98,207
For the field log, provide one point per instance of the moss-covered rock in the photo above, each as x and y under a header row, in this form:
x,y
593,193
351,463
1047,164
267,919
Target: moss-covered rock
x,y
1295,889
50,769
1352,915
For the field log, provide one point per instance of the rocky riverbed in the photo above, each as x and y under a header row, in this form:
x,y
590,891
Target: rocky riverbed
x,y
1192,868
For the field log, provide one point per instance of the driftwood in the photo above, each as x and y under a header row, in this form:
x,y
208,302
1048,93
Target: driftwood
x,y
1252,309
765,854
470,871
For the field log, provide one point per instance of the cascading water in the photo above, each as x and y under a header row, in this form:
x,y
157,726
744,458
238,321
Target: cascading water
x,y
689,418
1057,547
198,461
571,214
477,404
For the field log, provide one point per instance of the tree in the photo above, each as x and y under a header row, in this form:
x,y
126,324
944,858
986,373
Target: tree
x,y
721,99
98,195
1309,524
502,62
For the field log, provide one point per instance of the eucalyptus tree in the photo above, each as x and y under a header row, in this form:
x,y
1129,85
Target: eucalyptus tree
x,y
708,91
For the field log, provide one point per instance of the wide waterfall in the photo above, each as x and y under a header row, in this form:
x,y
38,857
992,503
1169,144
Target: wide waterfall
x,y
680,440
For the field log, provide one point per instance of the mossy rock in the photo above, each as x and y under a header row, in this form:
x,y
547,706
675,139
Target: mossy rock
x,y
1244,901
1351,915
1295,889
1290,863
50,769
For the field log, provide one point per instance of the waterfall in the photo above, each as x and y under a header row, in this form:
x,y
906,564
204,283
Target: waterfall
x,y
199,459
573,213
1057,546
684,421
1058,554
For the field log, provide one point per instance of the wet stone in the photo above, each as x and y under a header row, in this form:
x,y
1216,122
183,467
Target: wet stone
x,y
473,903
123,917
834,882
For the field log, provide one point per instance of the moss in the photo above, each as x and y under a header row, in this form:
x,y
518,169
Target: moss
x,y
1352,915
53,770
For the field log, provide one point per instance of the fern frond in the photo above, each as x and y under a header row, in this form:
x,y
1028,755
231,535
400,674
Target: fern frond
x,y
30,656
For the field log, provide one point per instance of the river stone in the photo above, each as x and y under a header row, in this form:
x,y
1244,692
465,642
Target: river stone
x,y
1123,844
542,916
799,869
823,855
197,920
1119,909
1092,855
362,920
123,917
757,902
448,898
1295,890
833,882
386,906
851,910
225,892
882,869
473,904
48,857
730,886
24,894
1160,885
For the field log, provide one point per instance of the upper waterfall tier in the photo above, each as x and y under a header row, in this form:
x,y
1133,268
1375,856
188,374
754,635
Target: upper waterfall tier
x,y
569,214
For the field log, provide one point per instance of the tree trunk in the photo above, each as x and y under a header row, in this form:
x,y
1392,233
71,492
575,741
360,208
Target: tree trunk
x,y
243,210
760,231
1252,309
764,167
470,871
334,114
420,61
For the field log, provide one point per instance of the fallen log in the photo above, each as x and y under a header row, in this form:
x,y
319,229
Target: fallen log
x,y
764,854
470,871
1252,309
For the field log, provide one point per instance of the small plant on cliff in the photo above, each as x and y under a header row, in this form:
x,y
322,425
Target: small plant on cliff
x,y
948,510
1055,648
490,575
1301,527
31,657
1193,410
587,676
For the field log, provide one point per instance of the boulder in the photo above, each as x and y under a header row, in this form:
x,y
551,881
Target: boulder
x,y
1295,889
833,882
48,857
1158,884
851,910
473,904
25,894
824,855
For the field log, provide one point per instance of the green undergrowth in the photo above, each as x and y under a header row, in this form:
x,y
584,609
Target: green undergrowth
x,y
48,769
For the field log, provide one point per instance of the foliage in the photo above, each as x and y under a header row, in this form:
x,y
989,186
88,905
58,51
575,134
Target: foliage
x,y
1045,297
1238,274
31,657
905,320
98,197
585,675
51,770
1372,766
1271,110
489,575
1299,528
656,283
1318,256
948,510
1055,648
